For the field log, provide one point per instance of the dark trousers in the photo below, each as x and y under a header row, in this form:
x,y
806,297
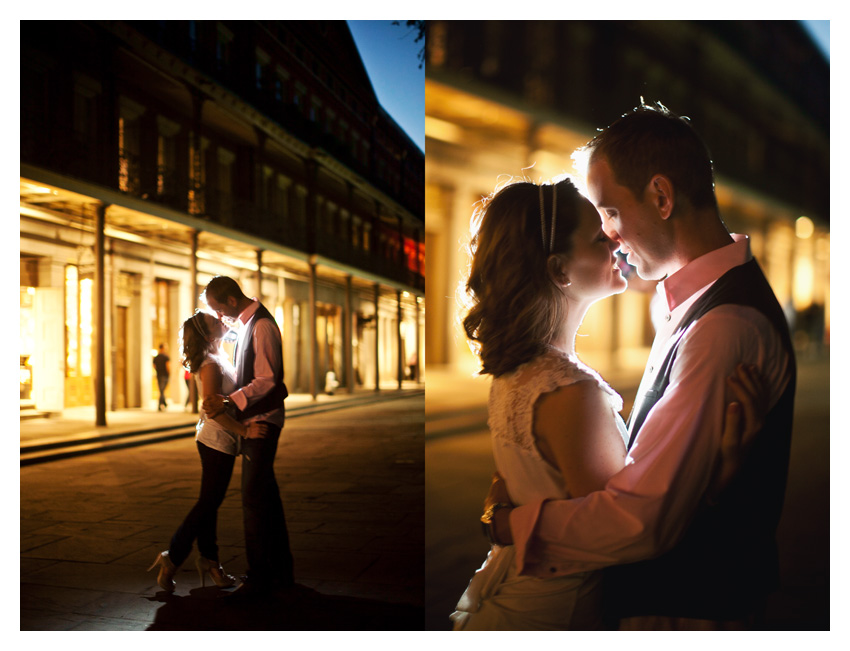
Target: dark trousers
x,y
162,381
266,537
200,524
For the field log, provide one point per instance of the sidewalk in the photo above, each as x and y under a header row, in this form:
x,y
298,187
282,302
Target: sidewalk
x,y
351,480
78,423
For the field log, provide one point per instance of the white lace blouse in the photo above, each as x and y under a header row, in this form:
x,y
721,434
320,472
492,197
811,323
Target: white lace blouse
x,y
208,431
511,420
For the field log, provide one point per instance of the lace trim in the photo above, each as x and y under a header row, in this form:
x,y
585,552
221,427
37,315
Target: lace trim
x,y
512,396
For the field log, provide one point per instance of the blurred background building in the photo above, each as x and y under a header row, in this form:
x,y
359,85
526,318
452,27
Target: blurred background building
x,y
516,98
157,154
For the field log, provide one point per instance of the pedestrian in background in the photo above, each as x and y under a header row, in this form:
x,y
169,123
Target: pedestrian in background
x,y
163,369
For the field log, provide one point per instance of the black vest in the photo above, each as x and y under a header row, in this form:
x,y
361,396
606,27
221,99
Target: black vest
x,y
245,371
726,562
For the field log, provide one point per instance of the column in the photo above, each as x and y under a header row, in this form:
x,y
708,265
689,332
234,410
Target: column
x,y
377,340
314,344
99,319
399,355
348,338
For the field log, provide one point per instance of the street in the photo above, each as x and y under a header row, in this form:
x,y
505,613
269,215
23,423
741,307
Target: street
x,y
459,468
352,487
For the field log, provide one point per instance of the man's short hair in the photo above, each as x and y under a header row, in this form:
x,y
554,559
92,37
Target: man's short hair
x,y
652,140
220,287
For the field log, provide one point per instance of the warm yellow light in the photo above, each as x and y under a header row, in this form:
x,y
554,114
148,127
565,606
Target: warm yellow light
x,y
442,130
805,228
86,326
71,319
278,317
31,291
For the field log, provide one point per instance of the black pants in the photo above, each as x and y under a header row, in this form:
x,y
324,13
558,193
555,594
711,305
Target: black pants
x,y
200,524
266,536
162,382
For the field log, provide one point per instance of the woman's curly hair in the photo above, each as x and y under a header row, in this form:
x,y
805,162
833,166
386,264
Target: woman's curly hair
x,y
514,308
195,343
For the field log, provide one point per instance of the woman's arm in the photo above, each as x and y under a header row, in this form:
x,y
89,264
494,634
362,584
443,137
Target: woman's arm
x,y
577,433
211,381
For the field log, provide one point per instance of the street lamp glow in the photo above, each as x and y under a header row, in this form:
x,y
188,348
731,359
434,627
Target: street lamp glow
x,y
805,228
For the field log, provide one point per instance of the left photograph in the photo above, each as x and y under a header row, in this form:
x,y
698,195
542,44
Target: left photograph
x,y
222,325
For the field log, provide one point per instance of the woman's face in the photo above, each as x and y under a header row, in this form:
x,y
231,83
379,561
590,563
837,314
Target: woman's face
x,y
215,327
592,267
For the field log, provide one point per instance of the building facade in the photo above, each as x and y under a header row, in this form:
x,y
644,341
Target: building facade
x,y
515,99
155,155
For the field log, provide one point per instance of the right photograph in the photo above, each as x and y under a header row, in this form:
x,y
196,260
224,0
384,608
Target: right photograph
x,y
628,332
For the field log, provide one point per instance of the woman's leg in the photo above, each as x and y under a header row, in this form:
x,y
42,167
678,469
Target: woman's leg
x,y
218,468
200,523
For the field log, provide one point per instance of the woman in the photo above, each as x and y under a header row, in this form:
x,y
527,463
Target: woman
x,y
539,260
218,442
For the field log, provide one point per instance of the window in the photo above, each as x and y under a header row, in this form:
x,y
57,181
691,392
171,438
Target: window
x,y
166,158
78,322
280,203
128,145
225,159
261,69
197,175
315,110
223,47
86,92
281,85
298,98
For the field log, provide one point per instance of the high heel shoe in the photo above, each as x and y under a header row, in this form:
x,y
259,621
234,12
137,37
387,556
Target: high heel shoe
x,y
216,571
167,570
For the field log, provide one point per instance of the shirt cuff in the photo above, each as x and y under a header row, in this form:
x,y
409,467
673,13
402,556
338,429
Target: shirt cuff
x,y
239,399
523,522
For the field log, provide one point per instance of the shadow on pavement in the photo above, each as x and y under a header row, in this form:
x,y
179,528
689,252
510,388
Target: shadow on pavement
x,y
307,610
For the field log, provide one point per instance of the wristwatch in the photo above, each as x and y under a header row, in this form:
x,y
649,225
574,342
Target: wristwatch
x,y
487,520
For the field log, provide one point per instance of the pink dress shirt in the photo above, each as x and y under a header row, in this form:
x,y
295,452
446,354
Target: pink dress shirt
x,y
267,364
645,507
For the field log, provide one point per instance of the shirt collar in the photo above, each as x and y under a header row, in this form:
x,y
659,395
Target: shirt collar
x,y
704,270
249,311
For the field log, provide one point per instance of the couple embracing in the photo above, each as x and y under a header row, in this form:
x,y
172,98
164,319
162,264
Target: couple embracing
x,y
243,413
667,521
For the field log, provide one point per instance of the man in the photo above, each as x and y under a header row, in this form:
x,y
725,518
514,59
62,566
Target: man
x,y
163,370
259,396
680,561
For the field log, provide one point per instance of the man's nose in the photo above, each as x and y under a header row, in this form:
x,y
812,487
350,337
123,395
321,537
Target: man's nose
x,y
610,231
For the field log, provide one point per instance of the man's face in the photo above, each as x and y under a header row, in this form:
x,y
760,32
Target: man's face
x,y
227,308
631,223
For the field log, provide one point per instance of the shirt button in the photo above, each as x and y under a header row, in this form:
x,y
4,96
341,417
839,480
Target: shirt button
x,y
552,570
667,317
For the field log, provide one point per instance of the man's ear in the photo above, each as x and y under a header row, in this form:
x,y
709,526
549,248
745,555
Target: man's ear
x,y
661,192
557,268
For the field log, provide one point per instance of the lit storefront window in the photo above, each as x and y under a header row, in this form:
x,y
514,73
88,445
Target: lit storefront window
x,y
27,341
72,338
79,326
86,326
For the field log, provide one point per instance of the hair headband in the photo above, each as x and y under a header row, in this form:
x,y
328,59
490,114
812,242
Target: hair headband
x,y
548,248
194,321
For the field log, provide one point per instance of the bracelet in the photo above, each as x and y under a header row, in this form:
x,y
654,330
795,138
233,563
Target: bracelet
x,y
487,520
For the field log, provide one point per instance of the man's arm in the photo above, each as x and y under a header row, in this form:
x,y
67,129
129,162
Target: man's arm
x,y
267,364
645,507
